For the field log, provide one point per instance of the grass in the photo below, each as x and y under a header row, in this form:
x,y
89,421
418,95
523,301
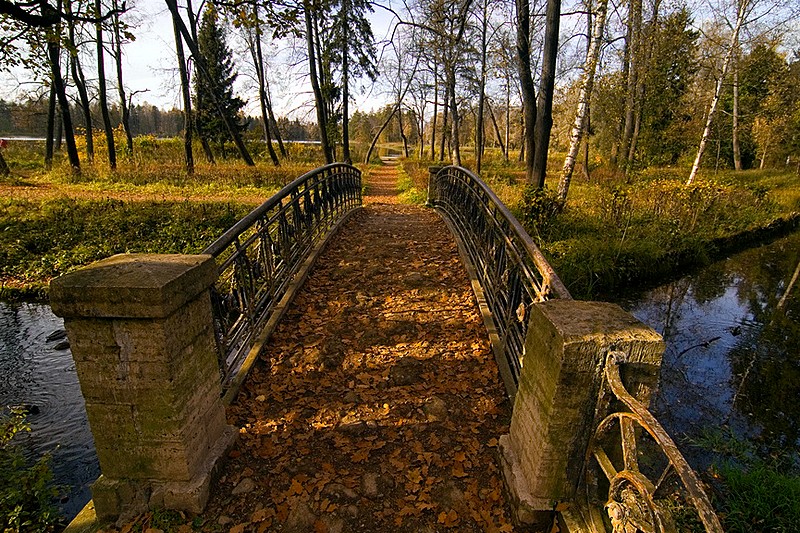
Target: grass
x,y
42,240
616,234
755,490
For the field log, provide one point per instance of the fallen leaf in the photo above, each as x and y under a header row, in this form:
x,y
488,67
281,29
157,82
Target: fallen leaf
x,y
360,456
450,519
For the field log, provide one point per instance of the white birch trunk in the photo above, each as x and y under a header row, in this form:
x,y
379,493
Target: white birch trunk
x,y
740,15
584,97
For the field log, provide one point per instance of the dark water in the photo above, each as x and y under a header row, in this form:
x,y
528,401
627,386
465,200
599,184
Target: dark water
x,y
34,373
732,363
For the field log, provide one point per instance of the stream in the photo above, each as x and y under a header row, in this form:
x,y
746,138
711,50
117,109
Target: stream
x,y
732,361
39,373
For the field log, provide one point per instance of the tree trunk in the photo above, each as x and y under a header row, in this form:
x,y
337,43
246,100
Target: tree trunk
x,y
508,120
737,153
4,170
445,112
188,123
83,95
454,120
272,121
345,89
435,109
377,135
528,145
192,44
479,133
53,51
123,99
633,47
258,62
51,126
401,129
740,15
584,97
322,119
544,108
101,91
503,148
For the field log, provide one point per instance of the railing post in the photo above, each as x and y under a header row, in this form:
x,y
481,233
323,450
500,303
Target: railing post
x,y
432,171
142,337
556,405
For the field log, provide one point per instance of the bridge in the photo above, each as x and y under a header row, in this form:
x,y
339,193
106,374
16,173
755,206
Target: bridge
x,y
357,368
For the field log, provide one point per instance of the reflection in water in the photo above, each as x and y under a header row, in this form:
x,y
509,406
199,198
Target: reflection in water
x,y
35,373
733,349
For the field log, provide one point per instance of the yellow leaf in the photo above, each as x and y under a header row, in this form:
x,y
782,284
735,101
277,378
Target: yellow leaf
x,y
458,470
413,475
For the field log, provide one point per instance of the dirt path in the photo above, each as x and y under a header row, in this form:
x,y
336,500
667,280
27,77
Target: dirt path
x,y
377,405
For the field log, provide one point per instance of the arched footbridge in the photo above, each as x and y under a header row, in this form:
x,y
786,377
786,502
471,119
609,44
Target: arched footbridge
x,y
362,365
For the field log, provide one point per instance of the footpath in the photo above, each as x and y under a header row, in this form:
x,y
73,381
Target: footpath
x,y
377,404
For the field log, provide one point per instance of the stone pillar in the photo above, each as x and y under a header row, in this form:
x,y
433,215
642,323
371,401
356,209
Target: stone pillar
x,y
432,171
142,337
555,407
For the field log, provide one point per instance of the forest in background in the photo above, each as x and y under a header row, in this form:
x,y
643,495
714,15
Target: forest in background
x,y
645,83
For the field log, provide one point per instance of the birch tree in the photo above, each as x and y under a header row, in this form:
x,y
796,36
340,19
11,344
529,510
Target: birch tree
x,y
584,97
741,13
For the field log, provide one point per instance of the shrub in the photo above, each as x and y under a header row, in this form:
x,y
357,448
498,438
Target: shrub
x,y
26,492
539,209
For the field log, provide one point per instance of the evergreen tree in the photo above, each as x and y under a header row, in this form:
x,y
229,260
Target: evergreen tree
x,y
219,82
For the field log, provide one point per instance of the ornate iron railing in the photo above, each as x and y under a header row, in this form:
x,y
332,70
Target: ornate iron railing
x,y
260,255
511,269
640,494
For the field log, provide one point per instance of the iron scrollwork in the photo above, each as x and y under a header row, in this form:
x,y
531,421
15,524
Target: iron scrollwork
x,y
512,270
259,256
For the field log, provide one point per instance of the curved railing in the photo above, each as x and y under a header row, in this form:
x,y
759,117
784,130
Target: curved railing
x,y
260,255
511,269
637,493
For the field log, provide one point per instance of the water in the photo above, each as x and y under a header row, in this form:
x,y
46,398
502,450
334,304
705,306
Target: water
x,y
732,363
34,373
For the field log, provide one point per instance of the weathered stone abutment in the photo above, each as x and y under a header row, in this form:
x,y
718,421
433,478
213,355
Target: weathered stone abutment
x,y
141,333
561,398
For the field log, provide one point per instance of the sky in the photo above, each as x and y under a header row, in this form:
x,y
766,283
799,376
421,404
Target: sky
x,y
150,71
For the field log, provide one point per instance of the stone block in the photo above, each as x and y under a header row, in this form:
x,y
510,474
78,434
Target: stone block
x,y
146,356
559,385
133,286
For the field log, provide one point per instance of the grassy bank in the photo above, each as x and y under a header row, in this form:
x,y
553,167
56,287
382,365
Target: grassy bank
x,y
615,234
54,221
44,239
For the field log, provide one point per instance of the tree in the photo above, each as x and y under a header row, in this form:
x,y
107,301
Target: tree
x,y
741,14
353,32
544,104
101,91
217,84
585,96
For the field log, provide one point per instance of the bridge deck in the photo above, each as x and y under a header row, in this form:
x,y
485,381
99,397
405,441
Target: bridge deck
x,y
377,404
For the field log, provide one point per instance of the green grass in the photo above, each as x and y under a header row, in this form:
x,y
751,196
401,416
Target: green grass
x,y
42,240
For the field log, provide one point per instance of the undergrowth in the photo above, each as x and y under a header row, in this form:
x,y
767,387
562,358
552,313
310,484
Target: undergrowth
x,y
41,240
26,491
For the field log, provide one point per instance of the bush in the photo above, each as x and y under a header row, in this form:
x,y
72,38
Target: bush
x,y
539,209
26,492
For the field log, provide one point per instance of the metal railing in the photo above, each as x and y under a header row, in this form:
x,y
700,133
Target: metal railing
x,y
639,494
260,255
511,269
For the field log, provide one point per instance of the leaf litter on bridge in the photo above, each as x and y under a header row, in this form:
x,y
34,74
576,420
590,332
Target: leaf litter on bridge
x,y
377,404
